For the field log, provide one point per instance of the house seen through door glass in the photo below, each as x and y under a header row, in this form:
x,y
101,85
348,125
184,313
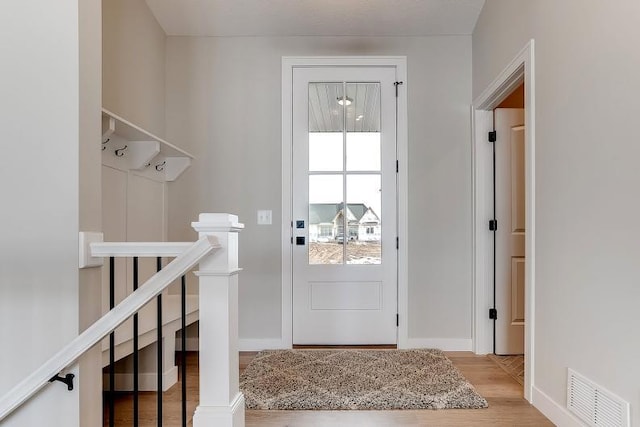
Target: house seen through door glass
x,y
345,174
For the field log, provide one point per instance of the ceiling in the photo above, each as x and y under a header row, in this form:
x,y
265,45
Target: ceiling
x,y
360,114
316,17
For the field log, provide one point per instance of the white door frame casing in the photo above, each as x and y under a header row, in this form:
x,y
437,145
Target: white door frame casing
x,y
520,69
288,65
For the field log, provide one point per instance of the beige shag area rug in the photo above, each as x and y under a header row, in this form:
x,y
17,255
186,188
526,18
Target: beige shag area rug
x,y
356,379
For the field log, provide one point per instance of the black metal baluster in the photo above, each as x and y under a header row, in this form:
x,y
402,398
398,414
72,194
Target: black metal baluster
x,y
112,343
183,365
136,385
159,345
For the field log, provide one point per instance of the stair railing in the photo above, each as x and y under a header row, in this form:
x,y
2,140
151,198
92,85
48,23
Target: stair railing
x,y
137,250
216,252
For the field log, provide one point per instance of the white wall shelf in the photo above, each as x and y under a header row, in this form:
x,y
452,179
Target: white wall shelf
x,y
126,146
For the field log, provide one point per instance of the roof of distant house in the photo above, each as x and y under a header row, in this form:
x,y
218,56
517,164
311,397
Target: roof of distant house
x,y
325,212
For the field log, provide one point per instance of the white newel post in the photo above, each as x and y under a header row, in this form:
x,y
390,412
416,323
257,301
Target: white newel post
x,y
221,402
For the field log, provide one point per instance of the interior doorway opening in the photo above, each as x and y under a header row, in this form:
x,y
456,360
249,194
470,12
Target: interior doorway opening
x,y
509,214
509,237
519,72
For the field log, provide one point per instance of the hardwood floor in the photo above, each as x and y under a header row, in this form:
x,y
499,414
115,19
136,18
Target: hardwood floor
x,y
512,365
507,407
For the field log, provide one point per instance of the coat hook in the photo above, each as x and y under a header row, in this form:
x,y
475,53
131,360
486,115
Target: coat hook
x,y
104,144
147,165
120,151
160,166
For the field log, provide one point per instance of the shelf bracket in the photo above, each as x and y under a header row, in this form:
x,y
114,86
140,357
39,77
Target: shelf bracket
x,y
110,128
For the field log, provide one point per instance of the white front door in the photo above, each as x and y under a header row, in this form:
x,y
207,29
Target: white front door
x,y
344,205
510,235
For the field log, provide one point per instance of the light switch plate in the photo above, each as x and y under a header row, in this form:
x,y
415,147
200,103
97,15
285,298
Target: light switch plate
x,y
86,238
264,217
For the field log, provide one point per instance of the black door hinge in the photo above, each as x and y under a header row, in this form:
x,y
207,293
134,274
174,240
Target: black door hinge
x,y
493,314
493,224
397,243
397,167
397,319
493,136
292,240
396,84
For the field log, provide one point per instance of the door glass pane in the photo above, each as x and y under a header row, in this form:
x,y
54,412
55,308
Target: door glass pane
x,y
344,116
363,151
362,118
364,219
326,125
326,221
325,151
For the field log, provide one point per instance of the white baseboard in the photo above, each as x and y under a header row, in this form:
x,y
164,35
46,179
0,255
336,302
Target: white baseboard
x,y
257,344
147,381
558,414
444,344
223,416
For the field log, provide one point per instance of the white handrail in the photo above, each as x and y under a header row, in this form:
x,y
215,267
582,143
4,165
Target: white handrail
x,y
107,323
139,249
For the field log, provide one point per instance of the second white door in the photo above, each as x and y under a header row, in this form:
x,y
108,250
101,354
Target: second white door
x,y
344,206
510,235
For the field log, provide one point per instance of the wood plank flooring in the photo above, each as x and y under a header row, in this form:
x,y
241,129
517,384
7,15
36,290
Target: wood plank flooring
x,y
512,365
507,407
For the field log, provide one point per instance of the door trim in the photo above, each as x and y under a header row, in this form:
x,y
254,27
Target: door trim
x,y
288,65
519,69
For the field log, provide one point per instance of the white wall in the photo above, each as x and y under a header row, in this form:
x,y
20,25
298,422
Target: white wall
x,y
90,200
223,105
133,86
39,118
587,182
133,63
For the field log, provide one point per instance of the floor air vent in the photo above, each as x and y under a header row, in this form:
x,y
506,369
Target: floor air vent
x,y
595,405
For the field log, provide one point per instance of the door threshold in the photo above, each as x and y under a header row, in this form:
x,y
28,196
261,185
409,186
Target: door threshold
x,y
346,347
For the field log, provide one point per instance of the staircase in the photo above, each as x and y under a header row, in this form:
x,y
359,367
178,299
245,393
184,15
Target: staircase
x,y
216,254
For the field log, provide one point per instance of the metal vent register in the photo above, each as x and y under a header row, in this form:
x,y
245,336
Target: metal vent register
x,y
593,404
